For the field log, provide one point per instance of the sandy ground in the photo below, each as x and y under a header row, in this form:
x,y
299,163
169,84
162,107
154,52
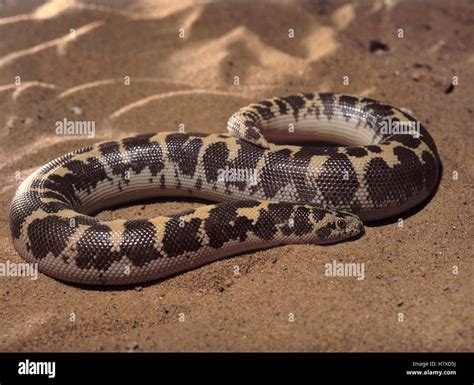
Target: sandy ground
x,y
72,58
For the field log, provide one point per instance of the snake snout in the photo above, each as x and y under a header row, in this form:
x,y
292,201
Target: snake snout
x,y
347,225
354,225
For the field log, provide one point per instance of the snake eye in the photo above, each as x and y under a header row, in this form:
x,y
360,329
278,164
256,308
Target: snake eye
x,y
341,224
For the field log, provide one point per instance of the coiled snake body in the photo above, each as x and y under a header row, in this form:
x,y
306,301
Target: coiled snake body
x,y
270,194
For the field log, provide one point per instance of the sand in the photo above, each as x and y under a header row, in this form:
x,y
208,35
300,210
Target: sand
x,y
74,60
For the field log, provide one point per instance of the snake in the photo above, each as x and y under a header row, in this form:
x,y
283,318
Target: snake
x,y
275,178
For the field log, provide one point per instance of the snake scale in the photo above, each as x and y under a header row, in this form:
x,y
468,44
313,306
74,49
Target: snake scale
x,y
267,194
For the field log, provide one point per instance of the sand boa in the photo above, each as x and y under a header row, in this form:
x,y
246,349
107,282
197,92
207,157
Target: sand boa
x,y
298,194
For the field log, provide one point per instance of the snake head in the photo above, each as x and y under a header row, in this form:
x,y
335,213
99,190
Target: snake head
x,y
335,225
244,126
